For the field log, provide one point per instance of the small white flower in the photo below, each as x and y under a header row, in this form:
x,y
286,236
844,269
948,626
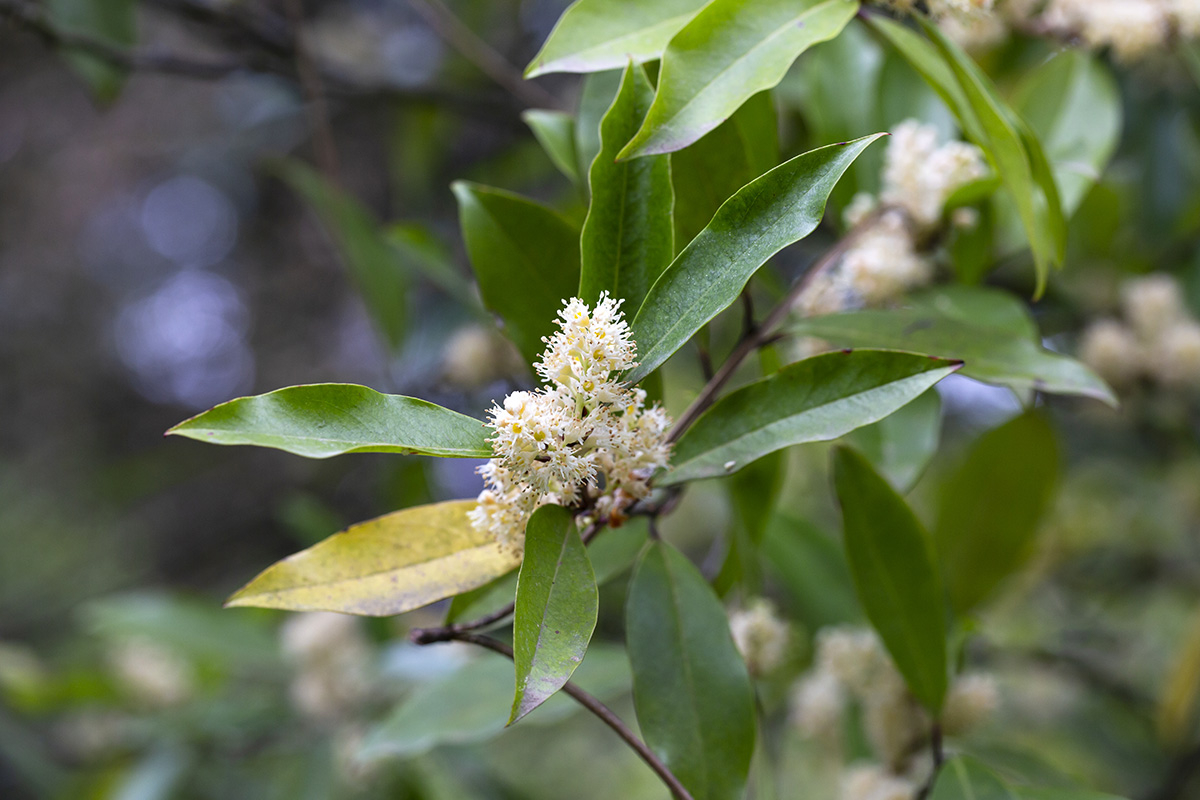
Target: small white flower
x,y
761,636
1176,357
817,704
1152,303
971,700
1112,349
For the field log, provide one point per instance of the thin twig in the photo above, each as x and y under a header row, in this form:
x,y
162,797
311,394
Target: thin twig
x,y
938,756
474,49
604,713
314,95
765,332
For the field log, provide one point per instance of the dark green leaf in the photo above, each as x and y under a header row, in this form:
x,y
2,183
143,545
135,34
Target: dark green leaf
x,y
813,571
596,35
773,211
557,604
595,96
419,249
728,52
627,239
813,400
525,256
377,268
385,566
901,445
113,22
709,172
891,558
990,508
753,493
693,696
329,419
555,132
1002,354
964,777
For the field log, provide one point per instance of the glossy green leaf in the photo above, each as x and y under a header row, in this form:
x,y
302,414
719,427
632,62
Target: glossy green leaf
x,y
378,269
627,239
813,400
709,172
1073,104
812,569
113,22
471,704
556,608
991,507
892,561
771,212
596,95
694,700
993,353
555,132
596,35
902,444
329,419
728,52
386,566
525,257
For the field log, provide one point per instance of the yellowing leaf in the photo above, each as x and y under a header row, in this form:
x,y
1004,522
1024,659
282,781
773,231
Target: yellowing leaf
x,y
385,566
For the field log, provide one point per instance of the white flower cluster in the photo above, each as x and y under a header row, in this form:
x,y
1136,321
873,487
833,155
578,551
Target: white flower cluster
x,y
919,175
761,636
1131,29
584,437
152,674
332,658
1159,340
852,664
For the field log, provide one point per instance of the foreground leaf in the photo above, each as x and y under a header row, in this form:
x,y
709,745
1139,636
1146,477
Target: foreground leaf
x,y
556,608
377,268
329,419
901,445
525,257
555,132
386,566
771,212
694,701
471,704
627,239
991,507
892,561
729,51
596,35
813,400
1001,354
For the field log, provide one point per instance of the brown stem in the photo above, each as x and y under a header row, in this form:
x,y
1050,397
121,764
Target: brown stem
x,y
939,757
314,95
474,49
757,337
604,713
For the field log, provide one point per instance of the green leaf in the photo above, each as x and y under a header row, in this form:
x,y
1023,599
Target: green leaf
x,y
812,569
728,52
1073,104
892,561
627,239
471,704
525,256
595,96
990,508
901,445
378,269
557,604
813,400
555,132
753,493
329,419
990,352
709,172
771,212
386,566
113,22
596,35
966,777
694,700
420,249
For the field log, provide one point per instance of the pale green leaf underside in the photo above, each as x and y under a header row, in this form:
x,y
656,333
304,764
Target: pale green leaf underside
x,y
813,400
385,566
328,419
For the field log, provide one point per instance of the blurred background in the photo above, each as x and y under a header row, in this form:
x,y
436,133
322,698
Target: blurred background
x,y
201,216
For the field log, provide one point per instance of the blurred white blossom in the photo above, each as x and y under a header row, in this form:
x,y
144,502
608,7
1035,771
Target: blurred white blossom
x,y
761,636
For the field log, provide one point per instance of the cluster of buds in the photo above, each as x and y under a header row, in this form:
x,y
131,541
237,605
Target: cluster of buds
x,y
584,439
1131,29
851,664
761,636
1158,339
919,176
